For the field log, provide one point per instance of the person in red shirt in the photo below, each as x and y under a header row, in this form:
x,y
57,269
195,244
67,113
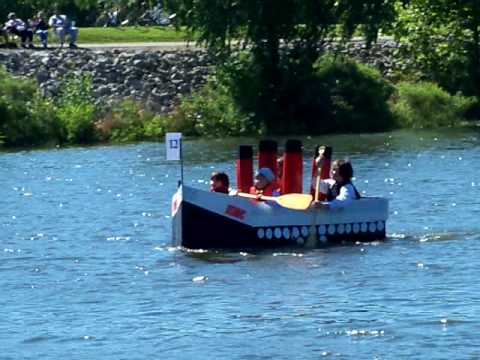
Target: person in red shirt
x,y
264,183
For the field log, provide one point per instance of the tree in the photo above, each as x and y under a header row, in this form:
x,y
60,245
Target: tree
x,y
442,40
284,37
26,9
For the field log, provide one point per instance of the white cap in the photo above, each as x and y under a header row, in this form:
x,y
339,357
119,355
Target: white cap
x,y
267,173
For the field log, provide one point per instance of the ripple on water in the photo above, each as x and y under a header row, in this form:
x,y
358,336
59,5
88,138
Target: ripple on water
x,y
447,236
39,339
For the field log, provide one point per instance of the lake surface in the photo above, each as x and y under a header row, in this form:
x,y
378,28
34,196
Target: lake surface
x,y
87,271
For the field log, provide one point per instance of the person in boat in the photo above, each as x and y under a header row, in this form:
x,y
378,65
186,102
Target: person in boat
x,y
219,182
264,183
339,189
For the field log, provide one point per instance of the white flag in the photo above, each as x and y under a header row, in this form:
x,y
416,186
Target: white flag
x,y
173,143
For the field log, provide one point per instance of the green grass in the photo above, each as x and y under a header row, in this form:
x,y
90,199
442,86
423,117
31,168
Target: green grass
x,y
100,35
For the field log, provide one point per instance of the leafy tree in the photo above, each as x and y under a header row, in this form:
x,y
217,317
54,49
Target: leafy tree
x,y
285,37
442,40
26,9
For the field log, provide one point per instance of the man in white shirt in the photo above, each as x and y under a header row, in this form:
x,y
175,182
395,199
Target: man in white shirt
x,y
62,27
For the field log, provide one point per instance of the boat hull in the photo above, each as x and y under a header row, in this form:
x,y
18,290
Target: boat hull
x,y
205,220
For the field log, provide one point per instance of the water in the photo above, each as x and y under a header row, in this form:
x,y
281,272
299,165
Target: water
x,y
87,271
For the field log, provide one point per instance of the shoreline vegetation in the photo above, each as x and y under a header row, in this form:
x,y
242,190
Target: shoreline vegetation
x,y
73,117
274,72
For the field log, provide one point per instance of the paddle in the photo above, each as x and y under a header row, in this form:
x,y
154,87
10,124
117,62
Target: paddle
x,y
317,183
312,237
291,201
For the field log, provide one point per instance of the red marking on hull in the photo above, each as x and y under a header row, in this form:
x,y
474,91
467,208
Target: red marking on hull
x,y
235,212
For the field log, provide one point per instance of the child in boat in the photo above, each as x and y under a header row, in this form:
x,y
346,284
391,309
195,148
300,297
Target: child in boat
x,y
264,183
339,188
219,182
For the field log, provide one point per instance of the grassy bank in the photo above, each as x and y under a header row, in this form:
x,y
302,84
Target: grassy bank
x,y
129,34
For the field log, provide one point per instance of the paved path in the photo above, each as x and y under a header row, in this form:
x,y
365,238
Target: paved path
x,y
140,46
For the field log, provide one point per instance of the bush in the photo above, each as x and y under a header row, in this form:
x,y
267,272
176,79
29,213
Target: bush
x,y
346,96
156,127
77,120
210,111
426,105
337,95
76,110
43,114
124,122
26,117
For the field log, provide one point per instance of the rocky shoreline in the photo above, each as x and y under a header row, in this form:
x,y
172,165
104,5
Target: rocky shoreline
x,y
156,78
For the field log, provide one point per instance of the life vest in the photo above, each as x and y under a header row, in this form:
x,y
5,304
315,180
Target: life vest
x,y
334,191
269,190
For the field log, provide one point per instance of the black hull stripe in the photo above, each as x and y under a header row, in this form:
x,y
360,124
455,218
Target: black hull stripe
x,y
204,229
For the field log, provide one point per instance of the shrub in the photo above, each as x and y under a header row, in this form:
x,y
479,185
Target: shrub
x,y
426,105
337,95
26,117
210,111
77,120
156,127
124,122
346,96
43,114
76,109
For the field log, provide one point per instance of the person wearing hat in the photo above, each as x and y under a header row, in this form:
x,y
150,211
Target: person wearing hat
x,y
17,26
264,183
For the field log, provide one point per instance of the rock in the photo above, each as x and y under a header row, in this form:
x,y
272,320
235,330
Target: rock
x,y
42,76
156,78
132,82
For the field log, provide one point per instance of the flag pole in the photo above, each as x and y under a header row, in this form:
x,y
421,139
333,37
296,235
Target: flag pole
x,y
174,152
181,162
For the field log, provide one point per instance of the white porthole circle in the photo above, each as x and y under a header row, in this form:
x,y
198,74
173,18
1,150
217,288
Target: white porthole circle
x,y
269,234
331,229
278,233
261,233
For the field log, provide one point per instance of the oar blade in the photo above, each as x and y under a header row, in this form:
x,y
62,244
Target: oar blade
x,y
295,201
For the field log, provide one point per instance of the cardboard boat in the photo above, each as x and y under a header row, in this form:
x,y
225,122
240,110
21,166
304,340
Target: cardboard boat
x,y
206,220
